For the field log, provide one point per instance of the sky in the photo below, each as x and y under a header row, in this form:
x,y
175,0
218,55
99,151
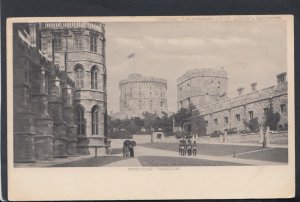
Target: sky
x,y
250,51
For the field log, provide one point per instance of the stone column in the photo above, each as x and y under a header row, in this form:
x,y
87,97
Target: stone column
x,y
24,131
23,127
43,122
69,117
60,140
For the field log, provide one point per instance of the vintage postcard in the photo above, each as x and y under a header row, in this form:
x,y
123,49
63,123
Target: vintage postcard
x,y
198,107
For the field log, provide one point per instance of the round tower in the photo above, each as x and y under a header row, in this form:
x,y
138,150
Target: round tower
x,y
201,87
141,94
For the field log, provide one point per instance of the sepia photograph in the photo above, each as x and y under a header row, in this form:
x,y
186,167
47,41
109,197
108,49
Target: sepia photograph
x,y
150,93
166,93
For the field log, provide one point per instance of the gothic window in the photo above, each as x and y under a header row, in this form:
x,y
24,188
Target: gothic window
x,y
26,72
282,108
161,103
93,43
226,120
251,114
94,78
237,118
80,120
150,104
46,83
77,41
79,77
95,113
57,44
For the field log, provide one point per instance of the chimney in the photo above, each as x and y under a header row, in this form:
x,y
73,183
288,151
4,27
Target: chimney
x,y
281,78
253,87
240,91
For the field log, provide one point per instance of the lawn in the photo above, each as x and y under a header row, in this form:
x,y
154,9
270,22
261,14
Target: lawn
x,y
274,154
180,161
206,149
91,162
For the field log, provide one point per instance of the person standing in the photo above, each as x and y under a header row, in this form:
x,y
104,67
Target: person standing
x,y
267,136
225,135
261,134
194,148
189,148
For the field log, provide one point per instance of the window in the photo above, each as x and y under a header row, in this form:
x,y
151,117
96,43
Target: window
x,y
189,100
161,103
251,114
266,111
94,78
282,108
218,84
226,120
140,104
57,44
216,121
237,117
80,120
93,43
77,42
26,72
79,77
206,123
95,113
150,104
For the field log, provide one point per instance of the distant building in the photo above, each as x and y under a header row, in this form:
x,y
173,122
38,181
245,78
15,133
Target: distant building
x,y
141,94
201,87
59,89
206,89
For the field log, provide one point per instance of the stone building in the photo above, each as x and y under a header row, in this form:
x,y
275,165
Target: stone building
x,y
201,87
59,79
220,112
139,94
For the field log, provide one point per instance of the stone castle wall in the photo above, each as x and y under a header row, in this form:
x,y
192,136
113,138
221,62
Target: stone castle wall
x,y
228,113
201,87
69,57
46,97
139,94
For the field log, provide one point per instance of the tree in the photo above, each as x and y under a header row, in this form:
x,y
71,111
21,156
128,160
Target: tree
x,y
272,119
198,123
149,119
183,117
252,124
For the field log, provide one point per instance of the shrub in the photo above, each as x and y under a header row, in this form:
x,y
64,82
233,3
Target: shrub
x,y
216,133
232,131
181,134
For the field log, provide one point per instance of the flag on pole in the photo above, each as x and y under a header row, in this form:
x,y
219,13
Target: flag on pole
x,y
131,55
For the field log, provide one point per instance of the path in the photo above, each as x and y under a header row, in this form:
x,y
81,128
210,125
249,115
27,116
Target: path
x,y
146,151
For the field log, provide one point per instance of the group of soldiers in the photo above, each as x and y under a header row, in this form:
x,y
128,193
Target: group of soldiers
x,y
187,147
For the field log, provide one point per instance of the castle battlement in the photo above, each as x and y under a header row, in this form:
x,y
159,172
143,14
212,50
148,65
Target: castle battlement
x,y
95,26
203,72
